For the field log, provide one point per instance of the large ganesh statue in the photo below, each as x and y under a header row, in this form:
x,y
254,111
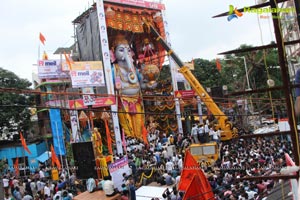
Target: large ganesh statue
x,y
128,84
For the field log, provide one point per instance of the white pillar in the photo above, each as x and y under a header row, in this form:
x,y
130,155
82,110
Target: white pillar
x,y
108,72
199,110
173,68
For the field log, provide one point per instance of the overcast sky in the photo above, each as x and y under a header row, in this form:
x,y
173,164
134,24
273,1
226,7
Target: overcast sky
x,y
193,31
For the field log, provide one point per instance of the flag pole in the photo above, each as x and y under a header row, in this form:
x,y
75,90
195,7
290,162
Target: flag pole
x,y
39,51
23,154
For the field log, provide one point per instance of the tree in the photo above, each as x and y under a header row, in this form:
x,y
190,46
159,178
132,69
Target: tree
x,y
262,65
14,107
207,73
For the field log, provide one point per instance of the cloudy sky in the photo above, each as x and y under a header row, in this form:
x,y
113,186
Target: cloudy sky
x,y
193,31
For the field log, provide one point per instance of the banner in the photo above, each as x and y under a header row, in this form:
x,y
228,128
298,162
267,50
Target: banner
x,y
140,3
50,69
87,74
184,93
117,169
57,131
97,102
88,100
74,125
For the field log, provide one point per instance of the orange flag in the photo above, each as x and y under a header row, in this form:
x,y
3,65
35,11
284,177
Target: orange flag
x,y
68,60
16,166
145,133
108,137
191,168
42,38
24,143
193,190
54,158
219,67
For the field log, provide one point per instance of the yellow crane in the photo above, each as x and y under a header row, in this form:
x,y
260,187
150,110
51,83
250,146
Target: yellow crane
x,y
228,131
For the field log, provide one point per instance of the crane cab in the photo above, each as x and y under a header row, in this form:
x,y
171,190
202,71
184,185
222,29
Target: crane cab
x,y
207,153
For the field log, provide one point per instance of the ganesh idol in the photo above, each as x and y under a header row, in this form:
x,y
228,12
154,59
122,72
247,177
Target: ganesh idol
x,y
127,84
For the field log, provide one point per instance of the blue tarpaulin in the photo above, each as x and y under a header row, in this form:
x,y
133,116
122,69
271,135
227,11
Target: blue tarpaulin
x,y
44,156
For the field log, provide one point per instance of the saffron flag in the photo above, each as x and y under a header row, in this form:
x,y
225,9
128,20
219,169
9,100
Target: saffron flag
x,y
24,143
16,166
193,190
219,67
68,60
54,158
42,38
190,169
145,133
108,137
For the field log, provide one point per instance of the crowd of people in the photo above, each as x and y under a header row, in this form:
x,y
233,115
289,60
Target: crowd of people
x,y
38,186
238,158
164,154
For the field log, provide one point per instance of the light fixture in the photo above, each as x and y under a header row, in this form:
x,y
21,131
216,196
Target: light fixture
x,y
110,13
271,82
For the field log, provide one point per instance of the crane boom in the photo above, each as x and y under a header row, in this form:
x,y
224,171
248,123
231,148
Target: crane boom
x,y
228,132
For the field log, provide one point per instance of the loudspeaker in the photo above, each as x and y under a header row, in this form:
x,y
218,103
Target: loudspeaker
x,y
217,92
84,160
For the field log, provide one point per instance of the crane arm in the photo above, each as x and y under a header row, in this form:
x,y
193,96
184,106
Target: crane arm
x,y
227,129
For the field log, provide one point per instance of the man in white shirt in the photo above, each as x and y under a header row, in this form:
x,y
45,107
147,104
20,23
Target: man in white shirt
x,y
108,187
15,182
47,190
215,136
164,153
5,181
169,166
194,133
42,173
180,163
40,185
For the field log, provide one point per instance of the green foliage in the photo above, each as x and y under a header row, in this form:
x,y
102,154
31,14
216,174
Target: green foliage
x,y
14,113
207,73
165,73
3,166
69,152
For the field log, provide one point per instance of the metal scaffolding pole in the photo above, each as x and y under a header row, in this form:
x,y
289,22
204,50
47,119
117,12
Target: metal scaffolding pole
x,y
286,81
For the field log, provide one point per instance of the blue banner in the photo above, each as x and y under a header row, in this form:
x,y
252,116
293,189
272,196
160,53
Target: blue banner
x,y
57,132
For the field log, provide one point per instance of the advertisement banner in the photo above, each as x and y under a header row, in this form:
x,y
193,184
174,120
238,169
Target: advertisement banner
x,y
117,169
140,3
87,74
50,69
57,131
98,102
88,100
74,125
184,93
